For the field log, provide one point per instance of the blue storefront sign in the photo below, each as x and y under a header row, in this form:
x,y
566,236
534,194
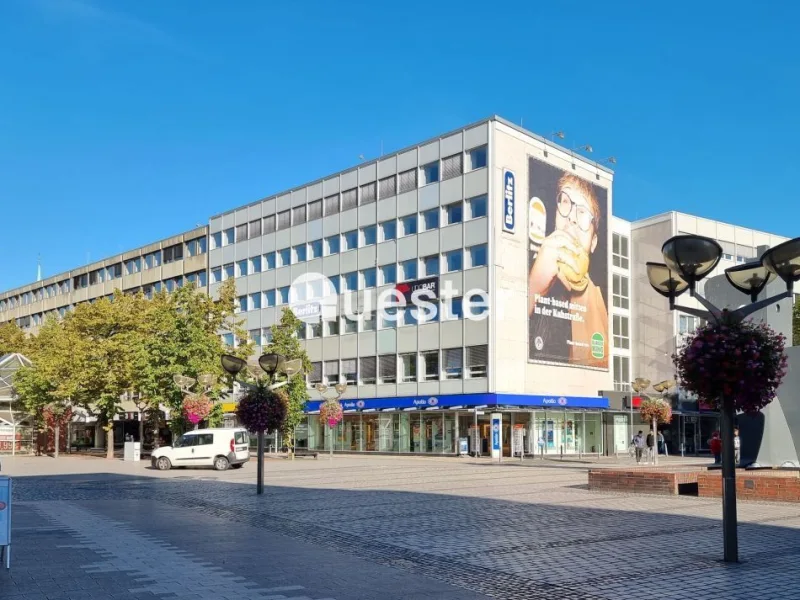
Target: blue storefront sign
x,y
509,201
469,400
495,434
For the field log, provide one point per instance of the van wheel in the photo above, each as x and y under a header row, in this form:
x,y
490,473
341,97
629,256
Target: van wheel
x,y
221,463
163,464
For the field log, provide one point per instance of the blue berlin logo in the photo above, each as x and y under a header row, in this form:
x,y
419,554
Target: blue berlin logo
x,y
509,201
495,434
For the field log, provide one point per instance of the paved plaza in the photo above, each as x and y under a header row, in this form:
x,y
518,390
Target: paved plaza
x,y
377,528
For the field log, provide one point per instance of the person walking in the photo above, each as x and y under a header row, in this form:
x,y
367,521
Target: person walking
x,y
737,447
651,443
715,444
638,445
662,444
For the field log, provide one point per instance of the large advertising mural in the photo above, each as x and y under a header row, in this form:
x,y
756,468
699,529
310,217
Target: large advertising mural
x,y
567,268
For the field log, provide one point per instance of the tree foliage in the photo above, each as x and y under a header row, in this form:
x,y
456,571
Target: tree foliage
x,y
12,339
286,343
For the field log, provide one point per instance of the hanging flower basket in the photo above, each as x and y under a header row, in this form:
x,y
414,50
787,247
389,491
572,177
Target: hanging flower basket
x,y
331,412
742,361
656,408
196,408
261,410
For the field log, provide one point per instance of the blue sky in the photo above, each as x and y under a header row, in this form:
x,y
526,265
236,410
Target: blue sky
x,y
125,121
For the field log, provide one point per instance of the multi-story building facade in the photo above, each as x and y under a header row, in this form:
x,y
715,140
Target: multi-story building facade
x,y
543,311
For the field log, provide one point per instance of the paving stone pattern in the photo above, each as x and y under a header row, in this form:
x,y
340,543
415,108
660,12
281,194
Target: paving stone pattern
x,y
386,528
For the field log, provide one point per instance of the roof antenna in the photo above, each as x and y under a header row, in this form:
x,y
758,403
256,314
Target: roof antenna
x,y
39,267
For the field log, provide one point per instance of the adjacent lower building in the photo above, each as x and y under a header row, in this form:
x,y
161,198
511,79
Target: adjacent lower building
x,y
537,307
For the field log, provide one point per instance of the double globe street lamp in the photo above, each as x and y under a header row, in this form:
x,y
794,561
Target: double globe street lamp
x,y
687,260
272,364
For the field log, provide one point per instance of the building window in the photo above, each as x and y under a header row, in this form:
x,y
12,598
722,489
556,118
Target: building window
x,y
389,317
228,237
369,322
114,272
241,302
349,281
388,230
451,166
196,247
369,235
255,229
388,274
367,370
269,298
299,215
621,293
408,368
368,278
301,333
349,325
477,255
408,180
387,187
269,224
476,158
430,366
332,205
241,268
173,253
620,251
255,336
241,232
266,332
315,210
687,324
430,265
453,310
453,261
453,213
430,219
350,240
227,339
477,361
269,261
349,374
315,374
429,173
622,373
315,330
622,337
314,249
452,359
284,257
408,225
283,295
369,193
227,271
255,301
299,253
331,327
387,368
255,264
216,240
478,306
408,270
332,245
331,372
349,199
284,220
476,207
409,315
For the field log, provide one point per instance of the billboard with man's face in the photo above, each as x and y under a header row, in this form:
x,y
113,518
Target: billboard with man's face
x,y
567,268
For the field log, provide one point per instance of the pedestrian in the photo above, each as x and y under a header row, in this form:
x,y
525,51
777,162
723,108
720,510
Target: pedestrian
x,y
662,444
651,442
715,444
737,447
638,444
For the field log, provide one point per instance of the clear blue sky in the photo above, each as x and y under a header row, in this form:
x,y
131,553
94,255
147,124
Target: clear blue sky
x,y
125,121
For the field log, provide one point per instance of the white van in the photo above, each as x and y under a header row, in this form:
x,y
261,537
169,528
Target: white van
x,y
218,448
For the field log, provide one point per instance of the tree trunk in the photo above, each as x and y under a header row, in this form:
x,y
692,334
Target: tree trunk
x,y
655,441
56,437
141,429
110,442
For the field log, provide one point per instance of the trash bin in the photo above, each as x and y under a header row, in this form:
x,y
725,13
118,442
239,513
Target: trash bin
x,y
5,520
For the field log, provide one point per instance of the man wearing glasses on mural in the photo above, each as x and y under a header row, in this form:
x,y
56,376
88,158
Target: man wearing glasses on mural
x,y
571,309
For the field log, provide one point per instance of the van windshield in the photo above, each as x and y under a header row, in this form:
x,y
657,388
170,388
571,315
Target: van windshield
x,y
184,440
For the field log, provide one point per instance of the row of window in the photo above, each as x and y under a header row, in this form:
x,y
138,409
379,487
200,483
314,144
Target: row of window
x,y
152,260
620,291
199,279
368,193
434,365
620,251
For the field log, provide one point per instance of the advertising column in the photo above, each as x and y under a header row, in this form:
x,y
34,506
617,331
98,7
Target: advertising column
x,y
497,436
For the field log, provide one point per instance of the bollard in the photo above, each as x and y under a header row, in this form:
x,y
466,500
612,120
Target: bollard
x,y
562,451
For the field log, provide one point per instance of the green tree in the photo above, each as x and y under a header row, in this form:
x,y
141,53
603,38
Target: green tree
x,y
12,339
286,343
182,337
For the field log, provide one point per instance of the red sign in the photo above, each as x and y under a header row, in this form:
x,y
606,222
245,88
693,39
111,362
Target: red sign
x,y
635,402
2,505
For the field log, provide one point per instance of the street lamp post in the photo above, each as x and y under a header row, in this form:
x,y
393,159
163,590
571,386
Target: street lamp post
x,y
338,391
687,260
272,364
